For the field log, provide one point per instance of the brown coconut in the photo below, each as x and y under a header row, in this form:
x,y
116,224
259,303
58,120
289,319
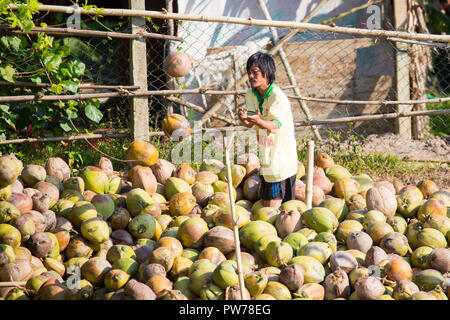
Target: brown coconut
x,y
337,285
234,293
121,236
375,256
143,178
386,184
146,271
288,221
212,254
220,237
382,199
21,201
163,170
369,288
250,162
106,166
57,168
317,198
323,183
251,188
41,201
135,290
40,244
49,189
292,277
439,259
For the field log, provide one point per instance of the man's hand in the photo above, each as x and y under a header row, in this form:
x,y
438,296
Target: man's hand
x,y
243,116
242,113
254,118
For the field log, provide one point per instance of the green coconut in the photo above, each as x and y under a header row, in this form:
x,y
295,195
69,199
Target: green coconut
x,y
175,185
319,250
142,226
278,253
296,240
104,204
8,212
10,235
225,275
320,219
253,231
81,211
139,202
314,271
337,172
95,179
337,206
74,183
238,173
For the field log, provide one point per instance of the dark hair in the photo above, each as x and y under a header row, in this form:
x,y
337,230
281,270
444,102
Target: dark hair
x,y
265,63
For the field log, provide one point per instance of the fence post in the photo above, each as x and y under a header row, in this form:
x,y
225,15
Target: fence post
x,y
402,125
138,71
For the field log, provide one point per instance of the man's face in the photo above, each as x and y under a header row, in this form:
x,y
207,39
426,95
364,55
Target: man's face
x,y
256,78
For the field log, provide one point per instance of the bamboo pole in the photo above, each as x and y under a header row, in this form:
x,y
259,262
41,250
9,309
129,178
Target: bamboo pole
x,y
374,102
13,283
201,110
422,43
309,175
81,85
373,117
287,67
91,33
249,22
67,138
84,96
233,213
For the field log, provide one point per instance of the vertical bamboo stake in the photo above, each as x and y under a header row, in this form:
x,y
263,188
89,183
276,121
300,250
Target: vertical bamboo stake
x,y
233,212
309,174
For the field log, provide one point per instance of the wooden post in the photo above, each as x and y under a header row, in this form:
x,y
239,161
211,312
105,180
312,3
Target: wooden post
x,y
309,174
138,70
237,243
402,125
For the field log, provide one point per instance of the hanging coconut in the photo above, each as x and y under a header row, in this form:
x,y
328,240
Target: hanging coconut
x,y
177,64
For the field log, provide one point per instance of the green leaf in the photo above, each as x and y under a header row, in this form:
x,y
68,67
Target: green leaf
x,y
4,107
65,126
71,113
7,73
71,86
36,80
93,113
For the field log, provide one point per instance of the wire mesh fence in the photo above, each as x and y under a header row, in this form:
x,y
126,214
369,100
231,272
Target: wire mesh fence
x,y
318,64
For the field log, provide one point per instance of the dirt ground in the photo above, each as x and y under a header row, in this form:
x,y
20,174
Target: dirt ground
x,y
433,149
433,153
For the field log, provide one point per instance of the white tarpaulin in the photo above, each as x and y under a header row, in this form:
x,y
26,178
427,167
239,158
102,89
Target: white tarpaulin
x,y
241,40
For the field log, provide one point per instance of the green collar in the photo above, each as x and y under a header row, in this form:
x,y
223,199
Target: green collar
x,y
261,100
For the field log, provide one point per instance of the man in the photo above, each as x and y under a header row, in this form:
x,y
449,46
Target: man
x,y
269,110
